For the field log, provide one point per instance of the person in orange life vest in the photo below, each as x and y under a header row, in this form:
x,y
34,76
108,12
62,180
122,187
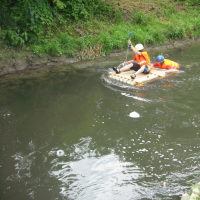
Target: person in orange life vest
x,y
140,63
163,63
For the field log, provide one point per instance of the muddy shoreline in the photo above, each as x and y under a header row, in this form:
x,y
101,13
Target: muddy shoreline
x,y
13,63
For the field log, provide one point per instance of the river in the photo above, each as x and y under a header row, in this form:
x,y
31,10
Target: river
x,y
70,133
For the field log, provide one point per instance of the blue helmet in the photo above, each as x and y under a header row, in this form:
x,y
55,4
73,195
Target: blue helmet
x,y
160,58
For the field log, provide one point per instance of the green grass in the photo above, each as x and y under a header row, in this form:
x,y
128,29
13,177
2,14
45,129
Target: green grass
x,y
155,22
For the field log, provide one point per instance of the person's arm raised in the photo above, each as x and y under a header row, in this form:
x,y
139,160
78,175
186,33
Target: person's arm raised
x,y
133,49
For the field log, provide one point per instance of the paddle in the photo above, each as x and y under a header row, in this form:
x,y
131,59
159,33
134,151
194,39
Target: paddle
x,y
128,47
115,68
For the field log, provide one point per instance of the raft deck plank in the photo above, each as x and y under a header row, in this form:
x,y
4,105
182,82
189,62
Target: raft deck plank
x,y
140,78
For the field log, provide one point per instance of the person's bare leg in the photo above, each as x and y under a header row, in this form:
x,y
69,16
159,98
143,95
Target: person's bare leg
x,y
140,70
127,67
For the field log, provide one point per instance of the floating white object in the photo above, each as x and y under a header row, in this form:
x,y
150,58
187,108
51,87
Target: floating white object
x,y
134,115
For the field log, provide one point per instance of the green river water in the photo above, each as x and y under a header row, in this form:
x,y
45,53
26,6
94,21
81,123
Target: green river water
x,y
70,134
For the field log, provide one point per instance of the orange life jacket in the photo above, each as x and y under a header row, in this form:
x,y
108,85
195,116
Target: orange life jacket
x,y
172,64
143,59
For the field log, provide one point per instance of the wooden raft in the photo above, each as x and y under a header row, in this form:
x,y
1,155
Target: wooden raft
x,y
140,78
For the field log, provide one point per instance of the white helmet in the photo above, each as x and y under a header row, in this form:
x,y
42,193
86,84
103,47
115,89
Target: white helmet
x,y
139,47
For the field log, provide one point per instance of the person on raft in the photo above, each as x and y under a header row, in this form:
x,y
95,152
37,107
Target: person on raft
x,y
163,63
140,63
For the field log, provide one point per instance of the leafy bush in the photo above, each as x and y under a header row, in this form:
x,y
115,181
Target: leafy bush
x,y
6,19
84,10
14,37
28,19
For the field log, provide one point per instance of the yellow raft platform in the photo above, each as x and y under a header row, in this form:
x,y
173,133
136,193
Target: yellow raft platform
x,y
141,78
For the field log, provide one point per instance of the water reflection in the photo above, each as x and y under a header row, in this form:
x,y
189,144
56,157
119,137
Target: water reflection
x,y
96,177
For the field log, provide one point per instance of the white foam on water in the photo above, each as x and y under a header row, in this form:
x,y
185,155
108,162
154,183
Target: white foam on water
x,y
60,153
135,97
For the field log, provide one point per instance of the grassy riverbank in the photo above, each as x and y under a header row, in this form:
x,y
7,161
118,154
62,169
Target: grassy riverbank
x,y
94,28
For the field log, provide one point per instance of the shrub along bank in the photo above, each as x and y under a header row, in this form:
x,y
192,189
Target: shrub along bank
x,y
85,29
